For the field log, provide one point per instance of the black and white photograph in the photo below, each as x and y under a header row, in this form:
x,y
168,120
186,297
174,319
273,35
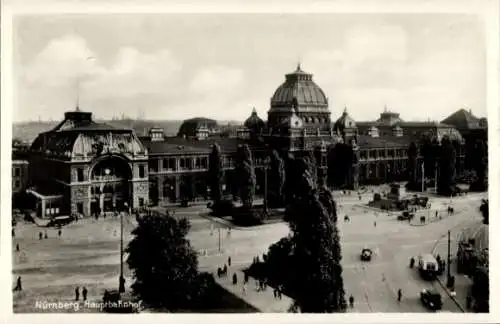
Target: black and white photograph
x,y
248,162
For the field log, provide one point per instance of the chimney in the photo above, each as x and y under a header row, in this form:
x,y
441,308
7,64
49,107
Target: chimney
x,y
156,134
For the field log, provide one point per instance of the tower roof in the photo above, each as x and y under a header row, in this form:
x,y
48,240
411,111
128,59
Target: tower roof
x,y
298,90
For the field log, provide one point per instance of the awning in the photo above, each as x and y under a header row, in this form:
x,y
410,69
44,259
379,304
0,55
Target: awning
x,y
43,197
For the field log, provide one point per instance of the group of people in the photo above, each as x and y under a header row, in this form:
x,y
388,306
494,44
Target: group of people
x,y
77,293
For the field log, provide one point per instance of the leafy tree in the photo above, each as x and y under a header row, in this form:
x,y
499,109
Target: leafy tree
x,y
309,260
216,173
276,179
480,165
164,264
412,162
485,211
481,289
428,149
246,176
447,162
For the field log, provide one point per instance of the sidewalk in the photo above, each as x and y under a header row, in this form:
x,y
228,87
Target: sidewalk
x,y
264,301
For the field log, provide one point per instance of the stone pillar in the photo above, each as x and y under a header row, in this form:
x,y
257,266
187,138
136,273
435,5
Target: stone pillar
x,y
42,213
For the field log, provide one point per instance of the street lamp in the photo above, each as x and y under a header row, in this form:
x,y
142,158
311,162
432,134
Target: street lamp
x,y
267,161
449,283
423,176
121,287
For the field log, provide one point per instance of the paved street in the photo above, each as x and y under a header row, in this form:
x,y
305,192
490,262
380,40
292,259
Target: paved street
x,y
87,254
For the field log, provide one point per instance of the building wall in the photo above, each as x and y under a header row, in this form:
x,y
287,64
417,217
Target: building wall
x,y
20,175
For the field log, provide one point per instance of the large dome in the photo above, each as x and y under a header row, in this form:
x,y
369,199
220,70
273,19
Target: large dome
x,y
299,90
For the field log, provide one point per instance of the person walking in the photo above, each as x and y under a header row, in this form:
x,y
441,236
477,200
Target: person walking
x,y
400,295
244,289
77,293
84,293
246,277
351,301
13,233
235,279
17,247
46,236
19,286
40,235
229,261
275,293
59,232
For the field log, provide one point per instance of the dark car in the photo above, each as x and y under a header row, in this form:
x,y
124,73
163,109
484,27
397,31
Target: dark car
x,y
431,299
59,221
366,254
406,216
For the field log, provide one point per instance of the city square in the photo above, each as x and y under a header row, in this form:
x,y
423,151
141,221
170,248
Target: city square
x,y
88,255
309,175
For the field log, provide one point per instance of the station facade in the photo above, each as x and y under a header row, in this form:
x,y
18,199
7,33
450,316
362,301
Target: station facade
x,y
85,167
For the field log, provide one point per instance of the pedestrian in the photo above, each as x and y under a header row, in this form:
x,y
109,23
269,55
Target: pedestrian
x,y
225,269
77,293
229,261
13,233
46,236
40,235
229,231
375,224
351,301
275,293
280,295
211,229
219,272
412,262
235,279
244,288
400,295
59,232
19,286
17,247
84,293
246,277
436,213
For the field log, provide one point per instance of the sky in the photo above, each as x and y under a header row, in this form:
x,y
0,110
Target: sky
x,y
178,66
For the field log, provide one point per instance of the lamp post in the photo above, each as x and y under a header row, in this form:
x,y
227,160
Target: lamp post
x,y
121,287
267,161
423,176
449,283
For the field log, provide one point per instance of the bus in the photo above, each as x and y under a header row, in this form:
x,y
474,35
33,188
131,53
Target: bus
x,y
428,266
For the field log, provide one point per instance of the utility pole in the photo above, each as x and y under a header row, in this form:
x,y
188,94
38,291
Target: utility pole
x,y
449,259
219,240
121,287
423,176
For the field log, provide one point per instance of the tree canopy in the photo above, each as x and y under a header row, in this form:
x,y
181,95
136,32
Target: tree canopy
x,y
312,252
164,265
246,175
276,179
447,163
215,173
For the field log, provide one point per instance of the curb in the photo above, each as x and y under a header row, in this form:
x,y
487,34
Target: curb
x,y
443,286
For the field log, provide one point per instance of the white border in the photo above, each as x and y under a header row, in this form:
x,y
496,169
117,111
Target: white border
x,y
488,9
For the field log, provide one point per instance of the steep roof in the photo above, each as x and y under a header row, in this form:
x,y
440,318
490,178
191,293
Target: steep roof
x,y
178,145
462,119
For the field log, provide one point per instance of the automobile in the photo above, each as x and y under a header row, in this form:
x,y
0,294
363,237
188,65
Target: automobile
x,y
366,254
406,216
431,299
59,221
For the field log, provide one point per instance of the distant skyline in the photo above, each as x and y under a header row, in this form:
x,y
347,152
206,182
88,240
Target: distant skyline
x,y
220,66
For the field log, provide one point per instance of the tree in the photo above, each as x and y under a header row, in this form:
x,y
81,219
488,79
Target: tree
x,y
164,264
412,162
479,158
428,149
485,211
312,253
215,173
318,286
276,179
246,176
447,162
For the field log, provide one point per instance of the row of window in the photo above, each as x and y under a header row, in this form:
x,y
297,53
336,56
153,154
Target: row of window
x,y
373,154
80,173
